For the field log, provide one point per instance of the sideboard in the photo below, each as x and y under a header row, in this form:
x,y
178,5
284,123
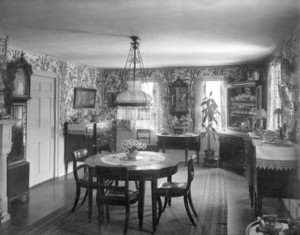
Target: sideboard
x,y
272,170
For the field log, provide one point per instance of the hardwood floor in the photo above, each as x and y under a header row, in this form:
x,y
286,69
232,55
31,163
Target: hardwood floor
x,y
53,194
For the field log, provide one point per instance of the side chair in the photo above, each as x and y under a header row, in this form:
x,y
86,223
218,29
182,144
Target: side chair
x,y
80,172
119,195
178,189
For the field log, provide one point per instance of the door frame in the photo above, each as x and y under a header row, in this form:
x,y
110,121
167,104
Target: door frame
x,y
56,117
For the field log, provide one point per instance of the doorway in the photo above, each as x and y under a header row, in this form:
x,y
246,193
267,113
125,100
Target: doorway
x,y
41,127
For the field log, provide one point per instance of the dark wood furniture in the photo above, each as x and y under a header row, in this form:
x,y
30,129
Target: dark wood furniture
x,y
171,189
17,166
144,135
165,168
241,98
101,135
105,134
80,173
186,142
232,148
272,171
77,136
118,195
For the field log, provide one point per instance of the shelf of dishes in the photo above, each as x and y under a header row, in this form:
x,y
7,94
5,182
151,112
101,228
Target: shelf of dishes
x,y
240,112
243,97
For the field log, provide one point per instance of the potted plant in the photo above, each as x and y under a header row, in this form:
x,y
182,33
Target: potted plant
x,y
209,112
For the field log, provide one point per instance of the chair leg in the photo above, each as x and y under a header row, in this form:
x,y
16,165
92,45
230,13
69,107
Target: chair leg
x,y
165,203
76,198
85,196
186,204
107,214
159,209
191,203
126,219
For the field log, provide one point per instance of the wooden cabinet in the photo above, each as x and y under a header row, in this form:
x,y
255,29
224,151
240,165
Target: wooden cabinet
x,y
232,148
106,135
242,97
77,136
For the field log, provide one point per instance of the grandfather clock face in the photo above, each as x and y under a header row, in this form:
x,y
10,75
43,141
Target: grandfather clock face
x,y
20,82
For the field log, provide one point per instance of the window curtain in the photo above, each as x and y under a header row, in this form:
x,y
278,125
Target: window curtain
x,y
224,107
200,91
153,89
274,78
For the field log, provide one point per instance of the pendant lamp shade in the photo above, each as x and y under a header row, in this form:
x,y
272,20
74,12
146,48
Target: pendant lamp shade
x,y
133,104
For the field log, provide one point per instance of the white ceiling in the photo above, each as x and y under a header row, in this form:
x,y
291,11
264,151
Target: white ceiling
x,y
172,32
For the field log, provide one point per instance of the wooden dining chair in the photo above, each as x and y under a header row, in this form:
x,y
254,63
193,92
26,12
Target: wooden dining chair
x,y
119,195
178,189
80,172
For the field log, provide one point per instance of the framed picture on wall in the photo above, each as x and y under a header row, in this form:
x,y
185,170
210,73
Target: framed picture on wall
x,y
84,98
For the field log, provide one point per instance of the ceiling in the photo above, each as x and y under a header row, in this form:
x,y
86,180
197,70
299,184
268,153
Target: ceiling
x,y
172,32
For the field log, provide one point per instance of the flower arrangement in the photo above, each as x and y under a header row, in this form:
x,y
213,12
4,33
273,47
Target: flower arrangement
x,y
131,145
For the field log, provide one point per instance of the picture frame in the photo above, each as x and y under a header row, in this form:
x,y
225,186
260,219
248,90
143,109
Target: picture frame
x,y
84,98
178,96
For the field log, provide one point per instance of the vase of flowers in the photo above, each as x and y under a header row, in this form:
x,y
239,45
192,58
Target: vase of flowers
x,y
131,147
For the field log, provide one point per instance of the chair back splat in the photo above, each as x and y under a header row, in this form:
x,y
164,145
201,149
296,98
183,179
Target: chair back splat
x,y
80,173
119,195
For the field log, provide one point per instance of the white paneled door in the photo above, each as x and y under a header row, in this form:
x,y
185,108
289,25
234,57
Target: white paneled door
x,y
40,128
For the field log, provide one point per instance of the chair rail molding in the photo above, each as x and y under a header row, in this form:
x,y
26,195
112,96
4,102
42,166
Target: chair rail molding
x,y
5,147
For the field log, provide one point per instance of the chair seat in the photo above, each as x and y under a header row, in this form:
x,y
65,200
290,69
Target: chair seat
x,y
171,188
116,197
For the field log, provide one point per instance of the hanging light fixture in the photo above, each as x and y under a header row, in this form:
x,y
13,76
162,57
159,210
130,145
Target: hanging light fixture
x,y
133,104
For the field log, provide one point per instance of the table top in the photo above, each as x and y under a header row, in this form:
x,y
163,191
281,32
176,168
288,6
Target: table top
x,y
148,164
273,156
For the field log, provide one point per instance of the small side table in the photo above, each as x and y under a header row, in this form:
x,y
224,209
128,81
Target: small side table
x,y
251,228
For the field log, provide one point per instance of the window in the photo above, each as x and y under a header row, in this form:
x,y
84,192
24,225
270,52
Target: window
x,y
148,87
215,87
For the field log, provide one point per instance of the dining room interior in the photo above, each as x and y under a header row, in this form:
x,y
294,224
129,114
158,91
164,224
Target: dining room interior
x,y
194,104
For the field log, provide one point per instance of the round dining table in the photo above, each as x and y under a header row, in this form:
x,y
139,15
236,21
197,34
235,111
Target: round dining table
x,y
148,166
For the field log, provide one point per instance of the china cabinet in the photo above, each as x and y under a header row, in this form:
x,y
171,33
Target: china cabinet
x,y
243,98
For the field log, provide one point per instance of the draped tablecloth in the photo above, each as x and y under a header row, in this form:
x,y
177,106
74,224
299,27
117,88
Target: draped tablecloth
x,y
276,156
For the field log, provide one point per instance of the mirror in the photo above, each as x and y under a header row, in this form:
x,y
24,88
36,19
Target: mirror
x,y
178,96
286,100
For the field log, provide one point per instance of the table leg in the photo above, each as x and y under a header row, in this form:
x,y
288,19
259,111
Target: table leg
x,y
198,153
154,202
186,152
90,196
141,203
169,180
163,147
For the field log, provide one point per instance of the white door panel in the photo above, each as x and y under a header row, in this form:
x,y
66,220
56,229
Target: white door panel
x,y
40,145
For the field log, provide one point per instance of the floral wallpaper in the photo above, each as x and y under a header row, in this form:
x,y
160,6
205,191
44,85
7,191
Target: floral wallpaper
x,y
69,76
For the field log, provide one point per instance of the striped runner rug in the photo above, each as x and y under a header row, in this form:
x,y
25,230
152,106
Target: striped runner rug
x,y
209,198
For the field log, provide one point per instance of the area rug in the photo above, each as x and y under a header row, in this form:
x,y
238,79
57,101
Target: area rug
x,y
208,194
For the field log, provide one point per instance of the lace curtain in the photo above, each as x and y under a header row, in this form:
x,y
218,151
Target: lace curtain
x,y
274,78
